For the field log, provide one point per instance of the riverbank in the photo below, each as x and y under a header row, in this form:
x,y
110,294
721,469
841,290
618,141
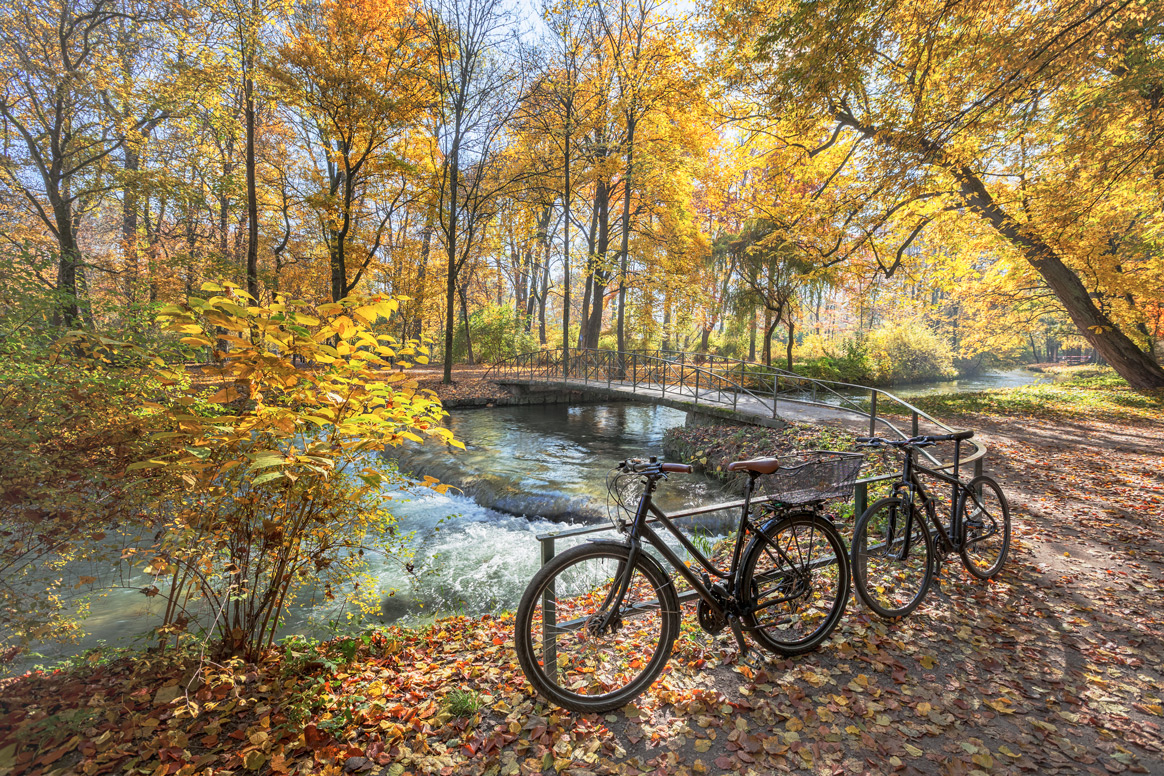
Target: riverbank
x,y
1055,667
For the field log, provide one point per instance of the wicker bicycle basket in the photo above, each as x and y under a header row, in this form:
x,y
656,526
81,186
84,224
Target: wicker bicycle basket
x,y
810,476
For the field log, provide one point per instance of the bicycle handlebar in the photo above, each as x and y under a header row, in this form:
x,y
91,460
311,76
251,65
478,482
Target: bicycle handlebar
x,y
653,466
924,440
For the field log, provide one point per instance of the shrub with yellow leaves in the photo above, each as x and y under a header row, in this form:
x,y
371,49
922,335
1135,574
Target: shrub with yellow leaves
x,y
277,462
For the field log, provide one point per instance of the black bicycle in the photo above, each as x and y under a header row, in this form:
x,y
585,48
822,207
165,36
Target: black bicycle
x,y
596,624
895,555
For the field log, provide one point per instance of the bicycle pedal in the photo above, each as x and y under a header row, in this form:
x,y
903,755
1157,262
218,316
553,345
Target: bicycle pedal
x,y
738,632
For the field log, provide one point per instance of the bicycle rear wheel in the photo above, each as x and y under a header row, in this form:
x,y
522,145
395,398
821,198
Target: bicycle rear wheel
x,y
797,577
891,570
985,527
566,654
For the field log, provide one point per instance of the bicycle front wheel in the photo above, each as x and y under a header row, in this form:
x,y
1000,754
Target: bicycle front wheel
x,y
892,558
571,652
796,576
985,527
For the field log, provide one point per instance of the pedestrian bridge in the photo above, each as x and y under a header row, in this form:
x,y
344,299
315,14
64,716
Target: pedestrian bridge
x,y
726,388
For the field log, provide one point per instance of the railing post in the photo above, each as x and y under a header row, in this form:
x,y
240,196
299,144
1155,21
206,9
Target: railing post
x,y
775,391
860,504
913,425
697,386
873,413
634,372
549,615
609,367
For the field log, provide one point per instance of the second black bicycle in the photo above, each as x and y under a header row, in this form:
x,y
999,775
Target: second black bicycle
x,y
895,555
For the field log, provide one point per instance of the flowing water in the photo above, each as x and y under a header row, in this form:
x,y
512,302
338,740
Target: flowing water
x,y
526,471
1010,378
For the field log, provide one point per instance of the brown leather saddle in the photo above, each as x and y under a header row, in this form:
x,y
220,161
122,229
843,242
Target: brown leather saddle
x,y
757,465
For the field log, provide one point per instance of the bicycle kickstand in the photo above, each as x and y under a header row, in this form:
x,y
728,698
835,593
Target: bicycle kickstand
x,y
738,632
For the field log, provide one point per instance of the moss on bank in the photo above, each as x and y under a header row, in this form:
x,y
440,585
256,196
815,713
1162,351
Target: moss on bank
x,y
711,448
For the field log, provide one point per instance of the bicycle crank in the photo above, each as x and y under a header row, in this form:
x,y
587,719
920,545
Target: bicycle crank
x,y
596,625
710,620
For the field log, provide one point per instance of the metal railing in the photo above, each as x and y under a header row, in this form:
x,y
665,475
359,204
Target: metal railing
x,y
710,380
715,381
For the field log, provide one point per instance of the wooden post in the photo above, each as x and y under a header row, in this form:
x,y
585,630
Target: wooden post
x,y
914,424
873,413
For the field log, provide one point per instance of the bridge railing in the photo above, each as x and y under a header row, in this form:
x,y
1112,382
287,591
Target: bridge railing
x,y
707,380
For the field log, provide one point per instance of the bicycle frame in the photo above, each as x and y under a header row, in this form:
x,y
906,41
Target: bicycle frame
x,y
910,481
640,530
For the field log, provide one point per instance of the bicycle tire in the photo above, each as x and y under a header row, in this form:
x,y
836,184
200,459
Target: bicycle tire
x,y
803,596
983,553
576,668
889,586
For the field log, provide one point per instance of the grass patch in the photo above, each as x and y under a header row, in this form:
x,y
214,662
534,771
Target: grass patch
x,y
463,703
1084,392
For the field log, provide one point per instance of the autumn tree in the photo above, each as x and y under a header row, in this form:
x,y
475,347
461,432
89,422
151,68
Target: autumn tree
x,y
477,94
354,74
1043,126
57,124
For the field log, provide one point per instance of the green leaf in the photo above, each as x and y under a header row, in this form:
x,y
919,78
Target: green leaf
x,y
145,465
267,477
264,460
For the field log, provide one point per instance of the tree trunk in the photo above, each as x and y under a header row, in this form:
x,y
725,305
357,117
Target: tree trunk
x,y
545,292
584,320
129,223
252,192
521,260
422,271
791,341
1132,363
624,249
752,338
600,274
666,344
1138,368
769,328
451,247
566,243
465,317
68,261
